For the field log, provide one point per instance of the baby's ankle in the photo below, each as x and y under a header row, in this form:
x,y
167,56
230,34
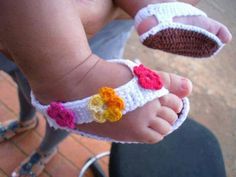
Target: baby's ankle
x,y
102,74
59,89
85,81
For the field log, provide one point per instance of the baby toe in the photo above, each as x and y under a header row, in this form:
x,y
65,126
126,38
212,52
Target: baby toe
x,y
167,114
180,86
160,125
212,26
223,33
172,101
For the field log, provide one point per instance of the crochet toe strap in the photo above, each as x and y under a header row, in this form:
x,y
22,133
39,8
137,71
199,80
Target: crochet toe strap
x,y
165,12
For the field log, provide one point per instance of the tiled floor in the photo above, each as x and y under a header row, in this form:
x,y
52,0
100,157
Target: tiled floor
x,y
73,151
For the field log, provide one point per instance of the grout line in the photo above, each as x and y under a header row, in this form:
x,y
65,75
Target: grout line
x,y
8,108
8,79
47,173
65,157
3,172
83,145
18,147
101,160
70,162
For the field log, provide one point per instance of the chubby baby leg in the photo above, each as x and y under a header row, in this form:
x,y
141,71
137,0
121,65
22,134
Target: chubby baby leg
x,y
58,64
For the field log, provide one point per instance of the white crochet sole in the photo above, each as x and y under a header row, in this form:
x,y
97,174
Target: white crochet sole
x,y
175,37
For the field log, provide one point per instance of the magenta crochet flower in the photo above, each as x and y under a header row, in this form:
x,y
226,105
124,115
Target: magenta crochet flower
x,y
147,78
63,117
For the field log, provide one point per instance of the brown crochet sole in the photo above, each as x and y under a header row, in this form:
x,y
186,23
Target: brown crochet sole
x,y
182,42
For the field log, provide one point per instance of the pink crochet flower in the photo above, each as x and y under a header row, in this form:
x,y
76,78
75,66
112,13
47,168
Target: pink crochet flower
x,y
63,117
147,78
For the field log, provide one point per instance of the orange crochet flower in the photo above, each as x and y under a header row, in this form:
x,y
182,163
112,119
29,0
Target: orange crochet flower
x,y
106,93
106,106
116,102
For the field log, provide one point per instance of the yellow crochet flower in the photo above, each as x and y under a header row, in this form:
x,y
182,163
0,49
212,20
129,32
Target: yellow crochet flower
x,y
106,106
99,117
95,106
96,103
112,114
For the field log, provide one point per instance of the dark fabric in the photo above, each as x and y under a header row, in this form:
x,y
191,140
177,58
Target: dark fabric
x,y
27,111
6,65
191,151
52,138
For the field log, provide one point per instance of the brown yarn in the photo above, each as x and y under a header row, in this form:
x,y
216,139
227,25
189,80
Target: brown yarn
x,y
182,42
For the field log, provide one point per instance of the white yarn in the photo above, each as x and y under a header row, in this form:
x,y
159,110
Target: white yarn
x,y
165,12
132,93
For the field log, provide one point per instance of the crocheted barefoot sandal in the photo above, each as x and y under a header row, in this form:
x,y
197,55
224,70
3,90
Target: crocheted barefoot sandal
x,y
177,38
12,128
109,104
34,164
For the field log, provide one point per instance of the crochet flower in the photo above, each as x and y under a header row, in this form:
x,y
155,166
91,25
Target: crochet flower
x,y
112,114
62,116
96,103
96,106
106,106
116,102
106,93
147,78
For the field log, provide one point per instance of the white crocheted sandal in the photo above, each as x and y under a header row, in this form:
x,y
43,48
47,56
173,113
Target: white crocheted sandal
x,y
177,38
110,104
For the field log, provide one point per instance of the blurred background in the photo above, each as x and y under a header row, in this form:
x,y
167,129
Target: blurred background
x,y
213,101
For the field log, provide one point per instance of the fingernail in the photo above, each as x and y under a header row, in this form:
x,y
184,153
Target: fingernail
x,y
184,84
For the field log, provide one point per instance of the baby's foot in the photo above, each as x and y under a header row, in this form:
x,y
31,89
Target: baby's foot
x,y
212,26
148,123
178,41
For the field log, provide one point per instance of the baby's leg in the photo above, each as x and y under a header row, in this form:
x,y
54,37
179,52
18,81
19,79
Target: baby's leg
x,y
132,7
193,2
53,60
208,24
